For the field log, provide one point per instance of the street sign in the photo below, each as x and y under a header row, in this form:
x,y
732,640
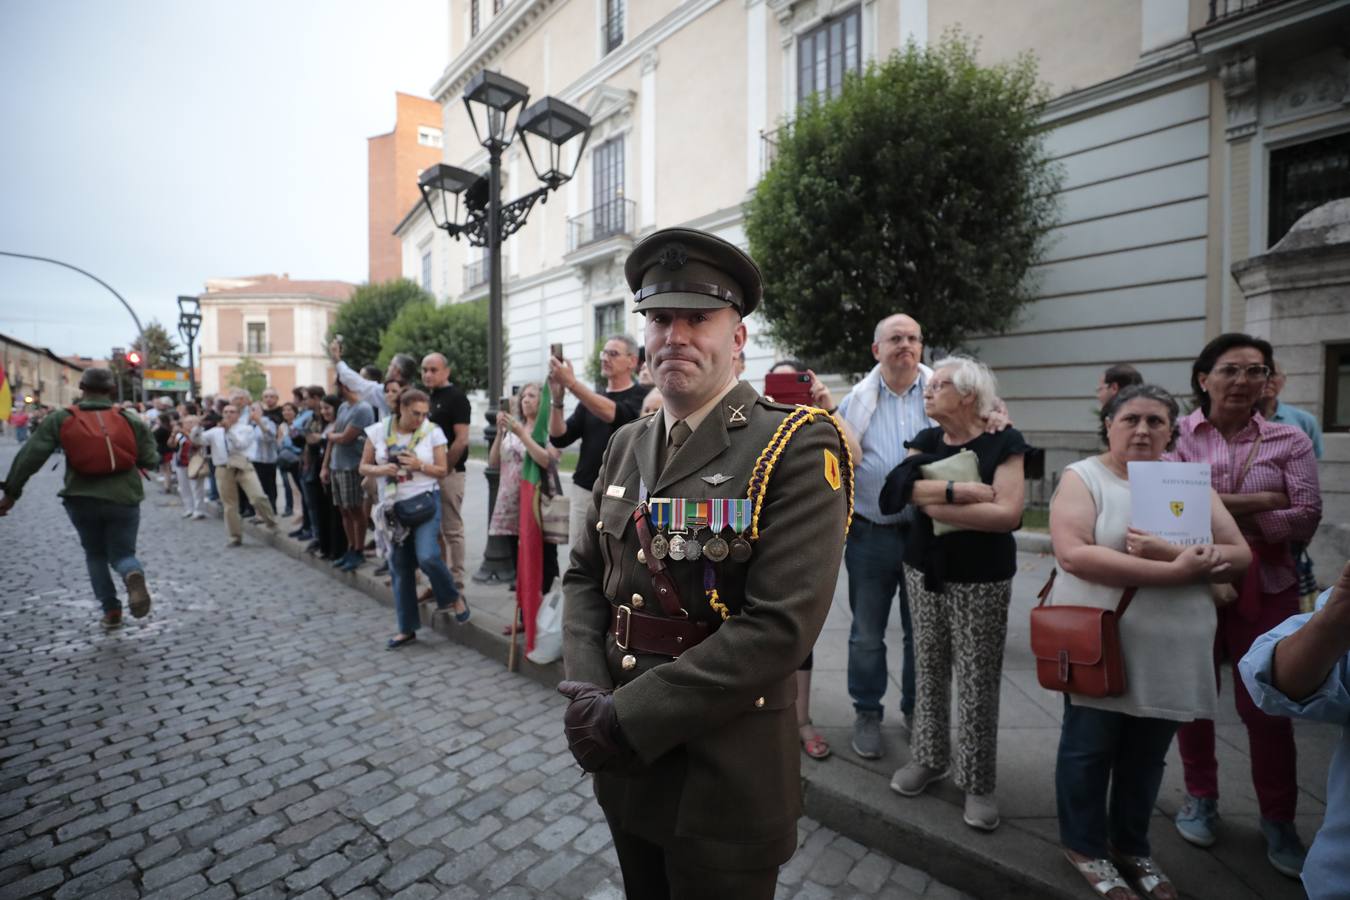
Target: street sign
x,y
166,380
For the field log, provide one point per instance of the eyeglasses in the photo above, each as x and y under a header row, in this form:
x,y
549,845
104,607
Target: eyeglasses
x,y
1230,371
934,386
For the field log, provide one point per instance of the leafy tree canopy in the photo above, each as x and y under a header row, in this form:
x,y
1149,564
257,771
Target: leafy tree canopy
x,y
363,319
457,330
249,375
922,188
160,350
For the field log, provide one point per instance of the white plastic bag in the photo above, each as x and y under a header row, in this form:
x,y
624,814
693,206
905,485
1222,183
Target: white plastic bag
x,y
548,629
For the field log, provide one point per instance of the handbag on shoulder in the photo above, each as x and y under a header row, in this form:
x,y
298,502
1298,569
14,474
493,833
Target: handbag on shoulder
x,y
1077,648
555,508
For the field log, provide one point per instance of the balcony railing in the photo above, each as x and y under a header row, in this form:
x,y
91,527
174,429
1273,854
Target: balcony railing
x,y
768,149
614,217
1226,9
476,273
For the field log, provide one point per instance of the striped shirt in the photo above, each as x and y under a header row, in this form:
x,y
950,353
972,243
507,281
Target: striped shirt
x,y
898,418
1283,462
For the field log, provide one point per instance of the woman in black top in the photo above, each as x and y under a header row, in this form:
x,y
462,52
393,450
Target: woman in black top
x,y
959,582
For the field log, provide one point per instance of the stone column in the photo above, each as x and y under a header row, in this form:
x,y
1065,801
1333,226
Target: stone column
x,y
1298,298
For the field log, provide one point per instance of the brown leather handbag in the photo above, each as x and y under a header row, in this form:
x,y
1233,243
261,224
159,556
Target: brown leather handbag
x,y
1077,648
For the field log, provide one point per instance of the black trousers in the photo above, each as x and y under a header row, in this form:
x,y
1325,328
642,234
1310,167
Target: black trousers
x,y
652,873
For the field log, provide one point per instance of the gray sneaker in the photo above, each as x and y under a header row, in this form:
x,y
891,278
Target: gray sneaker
x,y
1284,850
867,735
912,778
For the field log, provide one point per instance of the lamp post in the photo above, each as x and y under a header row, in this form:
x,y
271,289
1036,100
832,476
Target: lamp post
x,y
189,323
492,100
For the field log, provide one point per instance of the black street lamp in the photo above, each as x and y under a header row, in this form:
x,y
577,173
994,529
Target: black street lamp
x,y
492,100
189,323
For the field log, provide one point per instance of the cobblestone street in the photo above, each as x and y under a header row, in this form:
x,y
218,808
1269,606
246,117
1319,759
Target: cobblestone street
x,y
253,738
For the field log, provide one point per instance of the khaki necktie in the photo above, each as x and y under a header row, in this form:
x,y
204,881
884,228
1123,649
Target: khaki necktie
x,y
679,433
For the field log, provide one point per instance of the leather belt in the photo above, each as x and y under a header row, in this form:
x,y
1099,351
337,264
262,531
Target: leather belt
x,y
655,634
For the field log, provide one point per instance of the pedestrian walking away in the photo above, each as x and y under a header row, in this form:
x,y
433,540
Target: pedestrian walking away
x,y
700,582
105,451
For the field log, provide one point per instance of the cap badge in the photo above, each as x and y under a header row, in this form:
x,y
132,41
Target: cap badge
x,y
673,257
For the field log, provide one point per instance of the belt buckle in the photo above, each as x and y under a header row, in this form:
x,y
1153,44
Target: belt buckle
x,y
624,621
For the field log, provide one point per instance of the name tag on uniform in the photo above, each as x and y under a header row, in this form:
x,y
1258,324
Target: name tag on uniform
x,y
614,490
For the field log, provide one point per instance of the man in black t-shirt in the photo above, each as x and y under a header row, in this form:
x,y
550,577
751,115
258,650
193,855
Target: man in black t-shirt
x,y
597,416
450,410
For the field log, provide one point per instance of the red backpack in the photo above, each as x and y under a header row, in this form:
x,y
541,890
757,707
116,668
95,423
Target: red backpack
x,y
98,441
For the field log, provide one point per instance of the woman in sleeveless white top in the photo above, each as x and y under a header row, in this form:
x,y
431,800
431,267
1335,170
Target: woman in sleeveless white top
x,y
1118,745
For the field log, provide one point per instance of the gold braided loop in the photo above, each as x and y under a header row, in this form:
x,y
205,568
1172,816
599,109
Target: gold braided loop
x,y
768,459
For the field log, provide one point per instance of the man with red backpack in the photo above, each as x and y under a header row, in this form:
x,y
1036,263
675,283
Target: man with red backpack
x,y
104,449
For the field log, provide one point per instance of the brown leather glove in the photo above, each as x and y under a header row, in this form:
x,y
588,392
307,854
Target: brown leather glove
x,y
592,726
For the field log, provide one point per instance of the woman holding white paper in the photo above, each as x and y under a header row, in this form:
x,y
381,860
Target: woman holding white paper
x,y
965,488
1266,475
1166,637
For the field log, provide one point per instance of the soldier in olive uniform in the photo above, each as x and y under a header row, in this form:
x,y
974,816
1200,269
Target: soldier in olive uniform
x,y
710,558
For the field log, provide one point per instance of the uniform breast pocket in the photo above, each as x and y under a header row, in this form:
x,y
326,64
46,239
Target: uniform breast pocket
x,y
616,518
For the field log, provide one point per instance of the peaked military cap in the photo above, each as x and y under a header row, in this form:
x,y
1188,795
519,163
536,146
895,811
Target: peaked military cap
x,y
687,269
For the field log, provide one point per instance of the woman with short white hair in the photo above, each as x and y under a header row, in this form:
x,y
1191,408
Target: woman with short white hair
x,y
963,490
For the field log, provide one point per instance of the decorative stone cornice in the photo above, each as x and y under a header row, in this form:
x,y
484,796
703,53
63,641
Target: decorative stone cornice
x,y
1238,76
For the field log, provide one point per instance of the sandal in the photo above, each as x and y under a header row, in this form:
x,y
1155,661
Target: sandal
x,y
1103,876
815,746
1145,876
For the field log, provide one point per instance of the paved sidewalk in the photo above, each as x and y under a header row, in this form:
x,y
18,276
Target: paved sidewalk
x,y
252,738
1020,859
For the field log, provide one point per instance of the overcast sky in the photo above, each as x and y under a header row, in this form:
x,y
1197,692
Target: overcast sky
x,y
158,143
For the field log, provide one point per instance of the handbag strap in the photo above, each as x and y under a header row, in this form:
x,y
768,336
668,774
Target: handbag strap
x,y
1125,598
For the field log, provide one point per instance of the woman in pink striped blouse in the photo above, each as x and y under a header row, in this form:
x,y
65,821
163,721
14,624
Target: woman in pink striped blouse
x,y
1266,475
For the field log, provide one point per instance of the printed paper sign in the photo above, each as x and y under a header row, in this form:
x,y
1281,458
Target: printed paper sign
x,y
1171,500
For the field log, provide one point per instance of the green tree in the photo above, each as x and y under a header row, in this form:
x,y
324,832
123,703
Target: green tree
x,y
457,330
249,375
363,319
922,188
160,350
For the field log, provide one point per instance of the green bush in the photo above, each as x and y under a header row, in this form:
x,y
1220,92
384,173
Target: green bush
x,y
922,188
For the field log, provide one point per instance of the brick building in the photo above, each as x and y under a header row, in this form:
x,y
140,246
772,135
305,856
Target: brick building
x,y
396,159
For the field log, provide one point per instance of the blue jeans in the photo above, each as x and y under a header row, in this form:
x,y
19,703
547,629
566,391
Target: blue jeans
x,y
421,550
875,574
1101,751
108,534
311,493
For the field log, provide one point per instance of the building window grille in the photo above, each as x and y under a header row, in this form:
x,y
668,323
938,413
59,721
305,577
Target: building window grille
x,y
1336,410
607,188
1305,176
608,321
257,337
612,28
827,52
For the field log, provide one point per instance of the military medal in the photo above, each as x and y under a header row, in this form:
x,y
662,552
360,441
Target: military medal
x,y
660,546
740,515
676,550
716,548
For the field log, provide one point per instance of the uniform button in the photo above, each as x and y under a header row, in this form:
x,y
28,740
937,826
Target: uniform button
x,y
638,601
759,703
599,526
642,557
628,661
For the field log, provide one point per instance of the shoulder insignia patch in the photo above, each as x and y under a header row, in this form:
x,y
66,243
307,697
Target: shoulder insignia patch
x,y
832,470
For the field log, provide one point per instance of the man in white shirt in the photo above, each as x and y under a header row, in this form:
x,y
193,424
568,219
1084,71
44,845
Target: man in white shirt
x,y
229,443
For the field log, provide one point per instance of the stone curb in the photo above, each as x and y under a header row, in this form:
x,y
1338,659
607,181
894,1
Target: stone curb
x,y
926,832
